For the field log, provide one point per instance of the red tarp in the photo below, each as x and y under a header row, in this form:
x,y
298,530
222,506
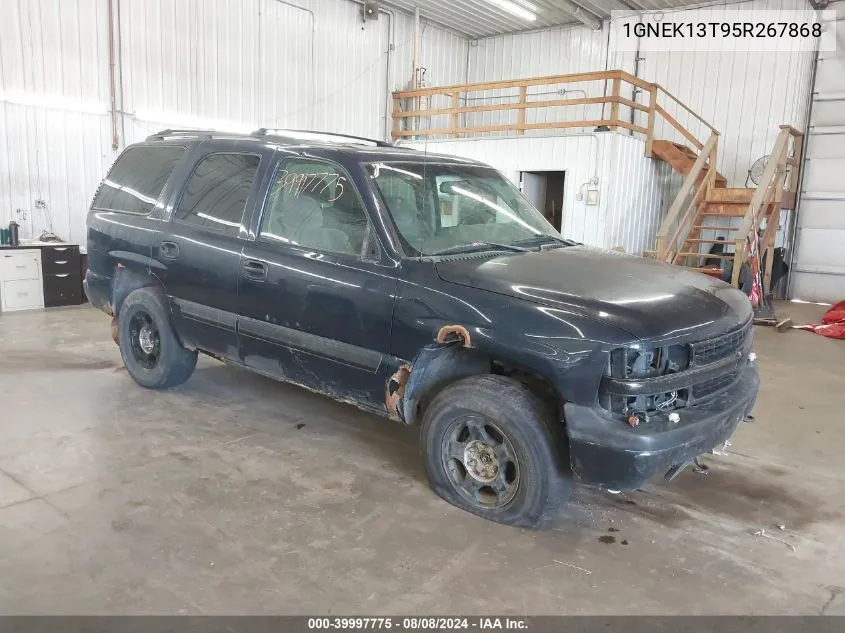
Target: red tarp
x,y
832,325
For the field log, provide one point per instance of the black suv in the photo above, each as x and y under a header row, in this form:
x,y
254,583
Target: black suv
x,y
422,288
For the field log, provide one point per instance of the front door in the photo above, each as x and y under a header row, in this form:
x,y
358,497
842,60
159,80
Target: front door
x,y
316,298
198,249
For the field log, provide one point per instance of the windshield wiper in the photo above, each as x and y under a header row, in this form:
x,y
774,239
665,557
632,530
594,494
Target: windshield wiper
x,y
471,246
542,237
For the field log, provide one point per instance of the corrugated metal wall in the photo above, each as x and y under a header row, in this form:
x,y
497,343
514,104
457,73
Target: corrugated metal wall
x,y
242,63
54,128
641,190
818,262
633,190
746,96
443,56
557,51
230,64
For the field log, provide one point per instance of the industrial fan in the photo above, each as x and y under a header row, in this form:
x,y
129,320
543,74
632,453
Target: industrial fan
x,y
756,171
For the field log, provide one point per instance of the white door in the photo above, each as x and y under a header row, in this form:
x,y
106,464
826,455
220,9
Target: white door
x,y
818,266
534,189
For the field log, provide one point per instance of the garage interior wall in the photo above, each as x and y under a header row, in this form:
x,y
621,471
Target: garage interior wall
x,y
229,64
744,95
242,64
818,261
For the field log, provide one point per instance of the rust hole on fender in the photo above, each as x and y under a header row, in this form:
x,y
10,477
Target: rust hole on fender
x,y
453,333
396,391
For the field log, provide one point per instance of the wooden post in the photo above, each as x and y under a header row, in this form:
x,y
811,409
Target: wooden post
x,y
770,234
397,122
614,107
652,104
520,115
455,105
714,155
794,173
739,258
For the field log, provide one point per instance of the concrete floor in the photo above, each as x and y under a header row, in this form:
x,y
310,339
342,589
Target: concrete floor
x,y
237,494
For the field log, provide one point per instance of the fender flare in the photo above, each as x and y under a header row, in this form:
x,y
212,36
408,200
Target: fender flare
x,y
125,281
436,366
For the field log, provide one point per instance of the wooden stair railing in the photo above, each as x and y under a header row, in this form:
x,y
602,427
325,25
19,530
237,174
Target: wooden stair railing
x,y
779,176
680,158
680,219
702,198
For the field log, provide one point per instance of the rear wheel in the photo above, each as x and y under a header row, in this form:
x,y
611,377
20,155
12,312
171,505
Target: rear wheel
x,y
152,353
492,447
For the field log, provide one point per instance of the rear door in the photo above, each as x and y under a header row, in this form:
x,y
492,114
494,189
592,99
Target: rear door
x,y
316,293
197,251
126,211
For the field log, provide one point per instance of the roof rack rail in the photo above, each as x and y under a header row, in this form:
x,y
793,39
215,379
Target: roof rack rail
x,y
263,131
183,132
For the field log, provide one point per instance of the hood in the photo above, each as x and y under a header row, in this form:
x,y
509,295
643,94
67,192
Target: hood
x,y
647,299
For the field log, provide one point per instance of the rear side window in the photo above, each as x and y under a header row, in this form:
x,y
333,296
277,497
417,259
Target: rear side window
x,y
137,178
216,194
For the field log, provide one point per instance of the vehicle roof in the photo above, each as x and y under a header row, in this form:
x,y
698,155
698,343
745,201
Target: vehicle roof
x,y
363,149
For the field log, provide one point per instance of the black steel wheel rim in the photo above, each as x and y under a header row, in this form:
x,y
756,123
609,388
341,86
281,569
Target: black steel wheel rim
x,y
480,462
144,340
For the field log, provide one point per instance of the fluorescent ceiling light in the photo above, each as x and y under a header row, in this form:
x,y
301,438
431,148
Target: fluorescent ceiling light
x,y
514,9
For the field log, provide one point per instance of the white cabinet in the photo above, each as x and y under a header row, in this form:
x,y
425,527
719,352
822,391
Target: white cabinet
x,y
21,284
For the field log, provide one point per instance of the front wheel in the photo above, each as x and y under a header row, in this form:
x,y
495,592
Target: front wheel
x,y
153,355
493,447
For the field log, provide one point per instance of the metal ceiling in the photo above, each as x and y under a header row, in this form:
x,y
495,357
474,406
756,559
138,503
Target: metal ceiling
x,y
483,18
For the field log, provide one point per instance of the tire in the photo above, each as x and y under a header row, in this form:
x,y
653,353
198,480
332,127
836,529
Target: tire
x,y
153,355
525,477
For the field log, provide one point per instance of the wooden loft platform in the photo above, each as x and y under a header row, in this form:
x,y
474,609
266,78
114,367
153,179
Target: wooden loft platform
x,y
443,111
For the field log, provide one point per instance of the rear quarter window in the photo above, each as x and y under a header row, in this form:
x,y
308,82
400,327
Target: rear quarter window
x,y
135,181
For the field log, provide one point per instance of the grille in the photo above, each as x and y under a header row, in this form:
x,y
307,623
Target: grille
x,y
720,347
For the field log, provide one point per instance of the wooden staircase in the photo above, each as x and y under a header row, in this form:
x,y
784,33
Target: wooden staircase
x,y
680,157
707,212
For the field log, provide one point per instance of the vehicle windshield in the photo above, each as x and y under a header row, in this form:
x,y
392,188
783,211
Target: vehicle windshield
x,y
443,208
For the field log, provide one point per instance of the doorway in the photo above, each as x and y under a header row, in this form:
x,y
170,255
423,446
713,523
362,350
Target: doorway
x,y
544,190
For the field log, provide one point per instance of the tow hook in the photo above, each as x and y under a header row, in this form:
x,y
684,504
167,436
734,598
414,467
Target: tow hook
x,y
698,467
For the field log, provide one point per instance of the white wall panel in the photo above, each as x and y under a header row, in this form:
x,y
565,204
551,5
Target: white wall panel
x,y
443,54
641,190
746,96
634,191
228,64
557,51
254,63
54,127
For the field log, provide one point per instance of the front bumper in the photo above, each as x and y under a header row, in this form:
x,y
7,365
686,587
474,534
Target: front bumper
x,y
607,452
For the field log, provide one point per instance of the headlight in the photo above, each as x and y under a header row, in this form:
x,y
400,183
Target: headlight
x,y
646,361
